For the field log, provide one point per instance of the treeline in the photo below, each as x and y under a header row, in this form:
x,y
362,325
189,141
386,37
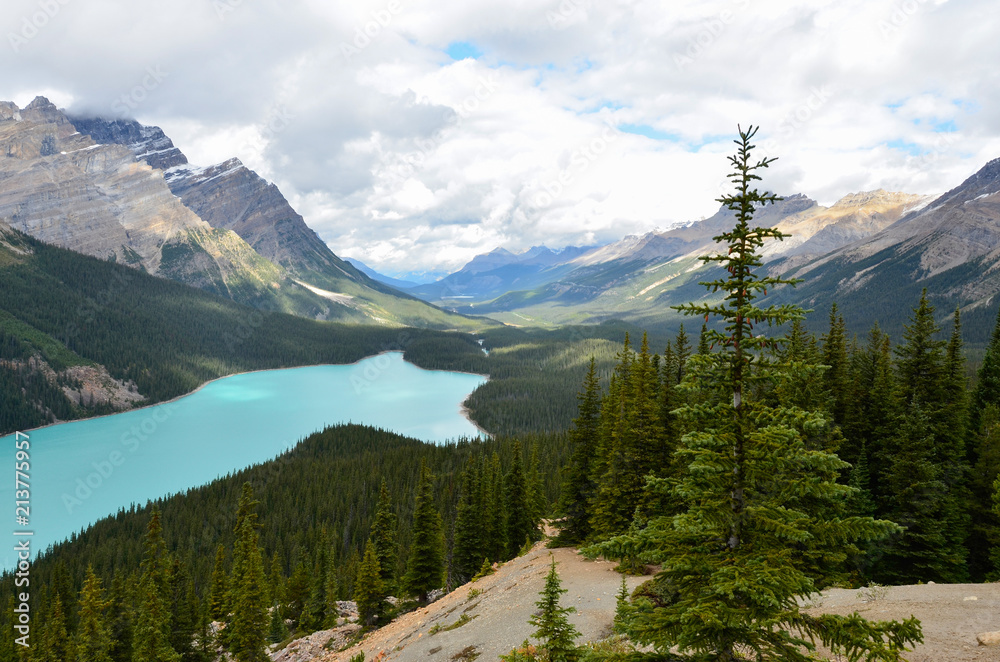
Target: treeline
x,y
923,448
319,507
69,309
535,374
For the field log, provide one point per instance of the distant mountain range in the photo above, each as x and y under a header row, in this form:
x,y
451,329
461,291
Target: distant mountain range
x,y
122,191
870,252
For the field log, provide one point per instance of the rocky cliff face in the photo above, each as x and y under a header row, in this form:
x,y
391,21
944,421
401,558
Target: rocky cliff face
x,y
62,187
147,143
98,187
231,196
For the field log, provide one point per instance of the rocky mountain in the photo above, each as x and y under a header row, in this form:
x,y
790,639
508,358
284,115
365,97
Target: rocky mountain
x,y
398,283
951,246
59,186
492,274
99,187
148,143
639,277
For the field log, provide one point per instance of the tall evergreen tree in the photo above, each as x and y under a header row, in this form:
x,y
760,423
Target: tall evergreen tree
x,y
925,384
425,569
837,375
248,625
467,549
120,620
762,525
218,600
983,436
93,641
151,641
369,593
518,524
578,487
183,606
384,537
916,488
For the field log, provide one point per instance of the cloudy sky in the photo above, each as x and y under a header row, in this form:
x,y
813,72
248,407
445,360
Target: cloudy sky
x,y
414,134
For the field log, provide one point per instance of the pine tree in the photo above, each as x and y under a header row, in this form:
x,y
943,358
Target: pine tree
x,y
916,487
183,606
219,591
93,641
926,385
151,641
518,522
762,524
553,628
249,607
468,541
314,615
983,436
622,606
368,589
837,374
425,569
120,619
578,487
277,631
54,639
538,504
276,580
384,536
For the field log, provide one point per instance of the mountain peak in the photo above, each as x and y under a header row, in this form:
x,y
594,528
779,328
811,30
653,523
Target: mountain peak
x,y
148,143
43,111
877,198
40,103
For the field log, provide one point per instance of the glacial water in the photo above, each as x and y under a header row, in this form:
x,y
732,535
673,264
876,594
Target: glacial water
x,y
82,471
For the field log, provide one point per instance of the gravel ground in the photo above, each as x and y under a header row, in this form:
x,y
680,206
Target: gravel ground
x,y
500,611
952,615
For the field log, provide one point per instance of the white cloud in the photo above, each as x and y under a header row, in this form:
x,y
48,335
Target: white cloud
x,y
398,155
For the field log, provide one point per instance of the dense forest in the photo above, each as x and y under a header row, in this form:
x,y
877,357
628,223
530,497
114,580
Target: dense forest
x,y
317,506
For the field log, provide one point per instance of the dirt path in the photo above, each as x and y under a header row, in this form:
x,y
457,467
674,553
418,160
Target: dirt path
x,y
500,610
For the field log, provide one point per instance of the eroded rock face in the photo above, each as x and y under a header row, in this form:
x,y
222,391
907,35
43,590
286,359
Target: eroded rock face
x,y
63,188
60,186
147,143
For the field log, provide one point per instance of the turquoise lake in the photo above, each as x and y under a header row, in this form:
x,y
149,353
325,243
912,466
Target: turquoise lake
x,y
85,470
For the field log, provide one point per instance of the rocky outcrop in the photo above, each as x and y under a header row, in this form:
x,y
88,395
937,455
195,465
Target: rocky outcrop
x,y
60,186
231,196
148,143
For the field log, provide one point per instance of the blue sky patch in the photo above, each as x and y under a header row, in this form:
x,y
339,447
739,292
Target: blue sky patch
x,y
648,131
461,50
902,146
